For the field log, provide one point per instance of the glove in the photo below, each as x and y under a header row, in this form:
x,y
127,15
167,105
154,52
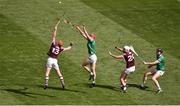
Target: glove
x,y
71,44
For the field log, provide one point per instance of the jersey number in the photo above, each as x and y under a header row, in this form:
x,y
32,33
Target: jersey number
x,y
55,50
130,58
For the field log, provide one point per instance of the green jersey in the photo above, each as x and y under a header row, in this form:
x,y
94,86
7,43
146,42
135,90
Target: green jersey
x,y
91,45
161,64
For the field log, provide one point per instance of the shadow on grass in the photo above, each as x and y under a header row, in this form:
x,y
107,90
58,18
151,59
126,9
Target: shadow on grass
x,y
60,89
25,93
134,86
117,88
103,86
138,86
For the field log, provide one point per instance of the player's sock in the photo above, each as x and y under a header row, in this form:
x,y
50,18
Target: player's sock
x,y
124,88
91,75
46,82
159,88
94,83
142,85
62,82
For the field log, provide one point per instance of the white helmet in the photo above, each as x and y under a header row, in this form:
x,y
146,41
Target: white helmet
x,y
126,48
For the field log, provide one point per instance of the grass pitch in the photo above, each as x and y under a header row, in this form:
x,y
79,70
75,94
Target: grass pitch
x,y
25,36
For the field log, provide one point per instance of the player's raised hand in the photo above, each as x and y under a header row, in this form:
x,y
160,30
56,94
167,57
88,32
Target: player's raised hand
x,y
110,53
65,21
55,28
144,62
77,26
57,23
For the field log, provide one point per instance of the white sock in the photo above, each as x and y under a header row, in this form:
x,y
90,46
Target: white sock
x,y
47,77
46,80
142,85
91,73
124,88
159,88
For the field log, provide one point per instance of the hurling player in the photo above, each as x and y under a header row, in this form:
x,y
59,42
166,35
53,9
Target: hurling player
x,y
52,62
128,56
156,73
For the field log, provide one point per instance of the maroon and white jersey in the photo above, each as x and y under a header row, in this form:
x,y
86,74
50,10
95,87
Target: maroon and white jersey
x,y
129,58
54,50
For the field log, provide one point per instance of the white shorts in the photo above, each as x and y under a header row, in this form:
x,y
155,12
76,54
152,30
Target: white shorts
x,y
52,63
92,58
129,70
160,72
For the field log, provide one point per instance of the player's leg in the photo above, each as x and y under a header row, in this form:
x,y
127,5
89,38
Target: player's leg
x,y
125,79
93,68
58,71
146,74
60,78
47,77
127,72
48,70
154,78
85,65
122,81
93,60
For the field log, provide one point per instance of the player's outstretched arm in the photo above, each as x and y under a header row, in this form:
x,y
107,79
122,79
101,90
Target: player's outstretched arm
x,y
81,32
116,56
55,31
69,47
54,34
118,48
86,33
151,63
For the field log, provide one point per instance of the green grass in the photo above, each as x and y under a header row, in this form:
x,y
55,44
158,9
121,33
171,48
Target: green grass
x,y
25,36
156,21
